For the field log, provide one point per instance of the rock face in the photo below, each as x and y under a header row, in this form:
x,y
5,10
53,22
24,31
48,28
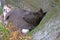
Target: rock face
x,y
25,19
50,29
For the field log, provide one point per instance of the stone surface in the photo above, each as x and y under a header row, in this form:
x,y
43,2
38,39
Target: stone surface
x,y
50,30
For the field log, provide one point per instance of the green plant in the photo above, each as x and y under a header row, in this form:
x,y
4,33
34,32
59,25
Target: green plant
x,y
4,32
1,10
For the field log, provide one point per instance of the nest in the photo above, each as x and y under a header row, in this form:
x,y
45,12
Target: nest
x,y
15,34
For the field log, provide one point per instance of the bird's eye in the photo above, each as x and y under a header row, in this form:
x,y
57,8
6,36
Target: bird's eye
x,y
5,10
7,18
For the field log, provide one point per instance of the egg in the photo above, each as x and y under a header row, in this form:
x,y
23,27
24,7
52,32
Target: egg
x,y
25,31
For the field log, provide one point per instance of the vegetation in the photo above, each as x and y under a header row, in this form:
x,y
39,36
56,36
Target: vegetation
x,y
4,33
1,10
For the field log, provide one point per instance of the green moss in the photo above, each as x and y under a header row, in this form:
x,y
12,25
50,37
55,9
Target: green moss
x,y
4,32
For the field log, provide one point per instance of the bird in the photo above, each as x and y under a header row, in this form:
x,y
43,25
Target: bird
x,y
34,17
25,20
